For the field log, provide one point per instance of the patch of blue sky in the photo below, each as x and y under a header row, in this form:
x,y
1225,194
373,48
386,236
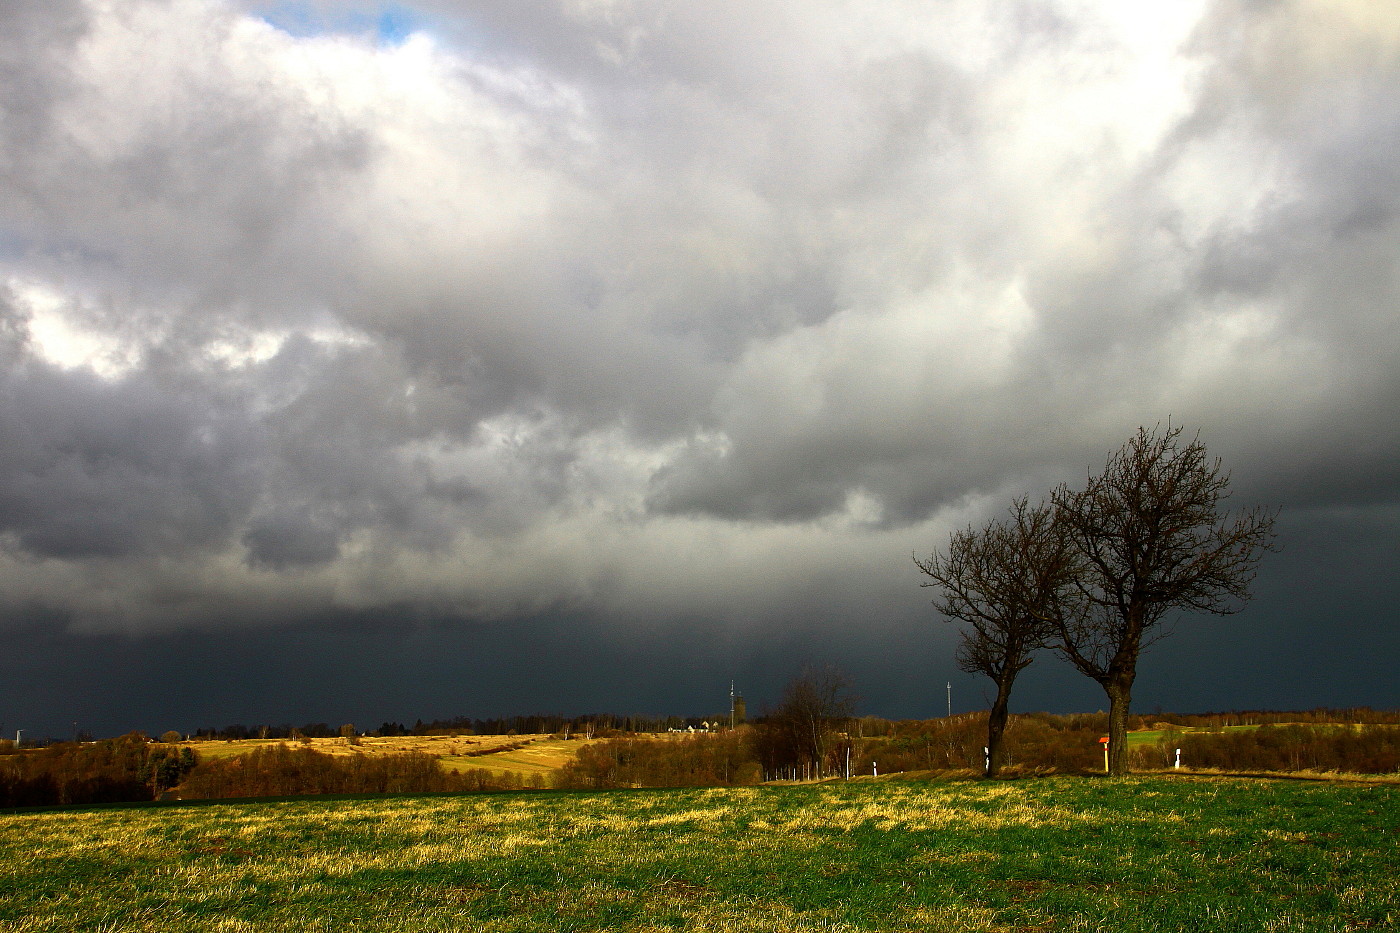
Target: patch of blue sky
x,y
389,23
13,246
18,250
396,24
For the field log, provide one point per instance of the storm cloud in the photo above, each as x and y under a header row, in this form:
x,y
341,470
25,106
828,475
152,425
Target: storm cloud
x,y
672,318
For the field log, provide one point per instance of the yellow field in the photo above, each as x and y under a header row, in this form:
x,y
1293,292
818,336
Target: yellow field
x,y
521,754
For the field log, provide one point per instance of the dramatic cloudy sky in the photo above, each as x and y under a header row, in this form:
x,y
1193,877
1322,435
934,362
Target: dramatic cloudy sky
x,y
366,361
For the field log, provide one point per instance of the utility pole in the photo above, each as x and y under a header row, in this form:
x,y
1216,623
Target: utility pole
x,y
731,705
950,699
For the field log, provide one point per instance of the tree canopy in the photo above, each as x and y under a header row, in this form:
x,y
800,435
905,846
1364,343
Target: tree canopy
x,y
1005,582
1153,537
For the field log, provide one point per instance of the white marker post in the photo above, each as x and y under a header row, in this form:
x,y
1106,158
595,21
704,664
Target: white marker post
x,y
986,760
875,769
1104,742
1178,759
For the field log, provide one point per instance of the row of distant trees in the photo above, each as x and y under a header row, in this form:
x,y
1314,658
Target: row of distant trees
x,y
1036,743
590,724
131,768
110,771
702,760
1094,572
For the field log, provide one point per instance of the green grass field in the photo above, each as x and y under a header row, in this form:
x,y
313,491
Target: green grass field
x,y
1151,736
1062,853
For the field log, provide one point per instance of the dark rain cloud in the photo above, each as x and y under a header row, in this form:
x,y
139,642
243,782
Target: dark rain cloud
x,y
97,468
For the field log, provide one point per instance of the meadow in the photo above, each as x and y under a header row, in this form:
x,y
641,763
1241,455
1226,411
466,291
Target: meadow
x,y
1062,853
518,754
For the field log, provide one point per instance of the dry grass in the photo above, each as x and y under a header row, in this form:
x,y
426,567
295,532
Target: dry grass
x,y
1343,777
543,755
524,755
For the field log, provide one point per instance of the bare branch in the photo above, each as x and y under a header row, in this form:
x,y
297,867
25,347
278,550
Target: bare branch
x,y
1006,583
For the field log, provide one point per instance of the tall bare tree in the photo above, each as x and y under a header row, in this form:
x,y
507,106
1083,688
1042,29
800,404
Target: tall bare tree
x,y
1153,538
1007,583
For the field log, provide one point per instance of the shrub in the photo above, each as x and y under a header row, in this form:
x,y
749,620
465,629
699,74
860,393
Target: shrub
x,y
701,760
1361,749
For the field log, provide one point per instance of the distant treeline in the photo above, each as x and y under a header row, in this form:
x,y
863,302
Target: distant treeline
x,y
594,724
1034,742
1322,714
133,768
111,771
537,724
702,760
1042,742
1366,749
1037,743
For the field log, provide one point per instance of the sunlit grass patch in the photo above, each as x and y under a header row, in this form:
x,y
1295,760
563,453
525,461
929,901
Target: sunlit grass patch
x,y
1063,854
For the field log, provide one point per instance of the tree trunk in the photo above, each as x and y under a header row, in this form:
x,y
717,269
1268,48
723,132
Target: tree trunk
x,y
1120,696
996,725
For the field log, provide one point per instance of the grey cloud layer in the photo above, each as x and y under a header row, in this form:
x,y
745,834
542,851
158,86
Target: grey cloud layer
x,y
490,320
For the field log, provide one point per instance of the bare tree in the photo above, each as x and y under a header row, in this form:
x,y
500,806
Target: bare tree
x,y
1152,538
1006,583
800,732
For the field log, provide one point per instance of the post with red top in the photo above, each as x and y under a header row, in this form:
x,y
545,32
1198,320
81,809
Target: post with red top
x,y
1104,742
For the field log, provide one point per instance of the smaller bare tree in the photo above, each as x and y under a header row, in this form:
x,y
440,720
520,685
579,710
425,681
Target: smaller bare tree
x,y
800,733
1007,583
